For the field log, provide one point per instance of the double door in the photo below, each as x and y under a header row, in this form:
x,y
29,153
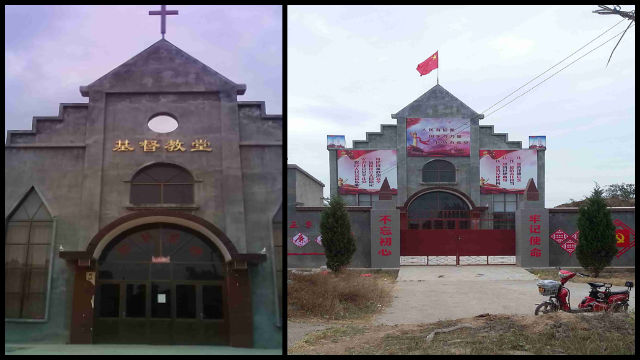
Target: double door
x,y
160,312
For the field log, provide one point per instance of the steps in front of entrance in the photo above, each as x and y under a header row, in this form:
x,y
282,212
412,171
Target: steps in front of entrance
x,y
112,349
461,273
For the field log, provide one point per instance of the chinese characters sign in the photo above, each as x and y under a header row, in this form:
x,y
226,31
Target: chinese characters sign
x,y
363,171
507,171
170,146
301,240
534,235
438,137
385,235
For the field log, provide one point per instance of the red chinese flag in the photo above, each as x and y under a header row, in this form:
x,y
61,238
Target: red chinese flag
x,y
426,66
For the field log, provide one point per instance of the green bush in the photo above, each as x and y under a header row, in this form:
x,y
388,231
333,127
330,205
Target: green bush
x,y
597,244
337,240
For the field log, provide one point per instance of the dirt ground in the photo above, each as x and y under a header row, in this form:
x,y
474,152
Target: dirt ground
x,y
426,296
559,333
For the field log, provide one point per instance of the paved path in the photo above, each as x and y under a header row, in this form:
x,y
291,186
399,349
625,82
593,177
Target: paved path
x,y
427,294
112,349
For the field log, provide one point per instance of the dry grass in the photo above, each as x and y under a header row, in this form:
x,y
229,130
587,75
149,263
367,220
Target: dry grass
x,y
615,278
337,296
558,333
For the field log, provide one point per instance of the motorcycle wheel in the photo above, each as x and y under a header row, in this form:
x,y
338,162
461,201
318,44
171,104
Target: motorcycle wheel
x,y
545,308
619,307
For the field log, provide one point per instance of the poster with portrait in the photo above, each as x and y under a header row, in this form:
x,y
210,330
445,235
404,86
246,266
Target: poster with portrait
x,y
537,142
364,171
438,137
336,142
507,171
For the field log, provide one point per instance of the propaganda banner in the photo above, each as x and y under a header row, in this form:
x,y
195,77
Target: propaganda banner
x,y
507,171
364,171
438,137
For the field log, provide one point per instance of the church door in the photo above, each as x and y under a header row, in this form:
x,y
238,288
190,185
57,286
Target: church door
x,y
161,284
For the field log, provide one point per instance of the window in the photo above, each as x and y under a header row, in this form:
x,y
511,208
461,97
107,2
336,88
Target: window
x,y
364,199
162,123
438,171
27,257
504,208
438,210
162,184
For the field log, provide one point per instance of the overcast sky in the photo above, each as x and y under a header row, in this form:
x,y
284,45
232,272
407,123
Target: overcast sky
x,y
351,67
50,51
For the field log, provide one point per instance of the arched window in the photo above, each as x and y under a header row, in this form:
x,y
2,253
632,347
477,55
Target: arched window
x,y
438,210
162,183
438,171
27,257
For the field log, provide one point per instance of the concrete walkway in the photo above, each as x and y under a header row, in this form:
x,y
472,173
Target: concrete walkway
x,y
426,294
114,349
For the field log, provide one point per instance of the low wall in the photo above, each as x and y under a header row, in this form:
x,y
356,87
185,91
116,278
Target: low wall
x,y
306,221
566,220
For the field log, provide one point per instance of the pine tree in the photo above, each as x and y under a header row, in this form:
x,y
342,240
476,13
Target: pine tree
x,y
597,244
337,240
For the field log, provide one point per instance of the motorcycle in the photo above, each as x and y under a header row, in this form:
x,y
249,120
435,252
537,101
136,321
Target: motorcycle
x,y
596,301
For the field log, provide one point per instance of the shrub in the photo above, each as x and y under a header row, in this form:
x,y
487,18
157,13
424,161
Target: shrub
x,y
597,244
337,240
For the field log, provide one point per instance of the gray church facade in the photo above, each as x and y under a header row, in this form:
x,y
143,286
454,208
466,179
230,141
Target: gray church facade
x,y
440,187
117,233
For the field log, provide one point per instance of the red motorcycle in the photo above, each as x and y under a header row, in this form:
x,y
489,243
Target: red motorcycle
x,y
597,300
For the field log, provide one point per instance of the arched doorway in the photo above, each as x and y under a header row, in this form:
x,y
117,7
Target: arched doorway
x,y
160,284
220,264
441,226
438,210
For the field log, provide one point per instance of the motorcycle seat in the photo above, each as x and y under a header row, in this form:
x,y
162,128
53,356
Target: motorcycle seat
x,y
595,285
618,292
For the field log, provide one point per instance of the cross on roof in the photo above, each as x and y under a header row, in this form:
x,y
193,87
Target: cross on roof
x,y
163,12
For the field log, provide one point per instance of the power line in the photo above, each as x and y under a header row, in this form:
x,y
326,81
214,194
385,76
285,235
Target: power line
x,y
540,83
504,98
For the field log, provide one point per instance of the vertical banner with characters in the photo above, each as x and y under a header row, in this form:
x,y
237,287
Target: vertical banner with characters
x,y
438,137
507,171
364,171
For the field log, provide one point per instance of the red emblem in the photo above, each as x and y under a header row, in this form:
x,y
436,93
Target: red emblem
x,y
559,236
195,250
300,240
569,246
629,235
124,249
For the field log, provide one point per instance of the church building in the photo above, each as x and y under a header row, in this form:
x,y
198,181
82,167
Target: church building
x,y
120,231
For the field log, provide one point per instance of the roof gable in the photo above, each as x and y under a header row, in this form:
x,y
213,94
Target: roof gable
x,y
163,67
436,102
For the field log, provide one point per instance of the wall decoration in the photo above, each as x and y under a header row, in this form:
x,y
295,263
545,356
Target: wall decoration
x,y
559,236
364,171
336,142
300,240
625,236
537,142
507,171
438,137
319,240
569,246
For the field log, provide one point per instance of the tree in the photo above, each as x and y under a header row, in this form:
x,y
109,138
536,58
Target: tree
x,y
337,240
621,191
597,244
